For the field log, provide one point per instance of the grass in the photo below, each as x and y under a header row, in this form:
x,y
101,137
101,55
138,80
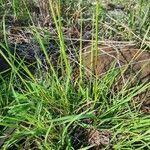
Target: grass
x,y
49,110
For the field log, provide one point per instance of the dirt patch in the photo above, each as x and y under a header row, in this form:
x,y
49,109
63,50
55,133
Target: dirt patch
x,y
99,139
146,107
96,139
133,60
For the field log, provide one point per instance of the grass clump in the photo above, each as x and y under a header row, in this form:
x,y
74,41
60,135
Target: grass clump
x,y
44,106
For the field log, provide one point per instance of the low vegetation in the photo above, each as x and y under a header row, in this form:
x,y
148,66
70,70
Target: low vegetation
x,y
74,74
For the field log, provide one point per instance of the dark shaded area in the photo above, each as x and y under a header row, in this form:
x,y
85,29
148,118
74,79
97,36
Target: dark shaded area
x,y
29,53
4,65
83,137
7,133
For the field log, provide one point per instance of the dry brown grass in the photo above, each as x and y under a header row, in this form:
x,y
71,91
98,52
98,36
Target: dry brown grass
x,y
126,58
